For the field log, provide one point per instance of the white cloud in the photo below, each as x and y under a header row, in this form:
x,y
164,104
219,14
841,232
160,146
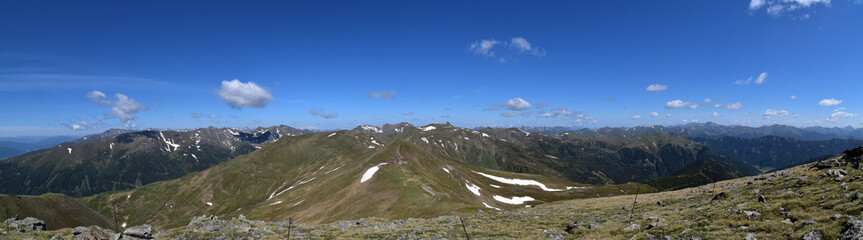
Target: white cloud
x,y
758,80
829,102
840,113
761,78
384,94
636,117
508,49
238,94
484,47
668,115
508,114
322,113
677,103
755,4
734,106
560,112
793,97
777,7
517,104
656,88
717,105
707,100
407,113
123,107
715,114
523,46
775,113
654,114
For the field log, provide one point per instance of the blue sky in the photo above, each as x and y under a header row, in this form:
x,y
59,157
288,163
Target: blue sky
x,y
477,63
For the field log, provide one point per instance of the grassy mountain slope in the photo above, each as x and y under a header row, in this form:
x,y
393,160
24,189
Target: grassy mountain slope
x,y
797,202
773,152
57,210
695,174
119,160
319,177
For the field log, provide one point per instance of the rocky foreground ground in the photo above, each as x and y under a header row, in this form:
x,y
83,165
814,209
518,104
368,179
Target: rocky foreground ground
x,y
815,201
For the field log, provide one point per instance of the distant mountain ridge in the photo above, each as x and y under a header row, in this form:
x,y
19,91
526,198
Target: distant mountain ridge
x,y
713,130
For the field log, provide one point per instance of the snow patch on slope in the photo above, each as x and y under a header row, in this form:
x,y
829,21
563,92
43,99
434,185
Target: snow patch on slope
x,y
473,188
371,172
428,128
513,200
521,182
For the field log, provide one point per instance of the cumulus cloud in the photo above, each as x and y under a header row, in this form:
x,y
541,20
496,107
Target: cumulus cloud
x,y
508,114
407,113
323,113
718,105
829,102
239,94
484,47
517,104
715,114
515,46
636,117
793,97
122,106
677,103
778,7
383,94
654,114
656,88
840,113
734,106
560,112
775,113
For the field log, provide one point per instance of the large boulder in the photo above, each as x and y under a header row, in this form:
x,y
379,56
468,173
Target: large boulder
x,y
144,231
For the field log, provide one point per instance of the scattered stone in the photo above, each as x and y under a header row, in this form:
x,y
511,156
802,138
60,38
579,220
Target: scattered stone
x,y
750,236
720,196
853,230
836,173
55,237
572,226
655,225
761,198
752,214
28,224
836,216
143,231
807,223
632,227
79,230
660,203
813,235
787,221
857,196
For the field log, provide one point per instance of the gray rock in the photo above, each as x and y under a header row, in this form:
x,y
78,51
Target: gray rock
x,y
853,230
660,203
79,230
813,235
836,216
761,198
632,227
750,236
787,221
55,237
857,196
143,231
28,224
655,225
752,214
836,173
807,223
